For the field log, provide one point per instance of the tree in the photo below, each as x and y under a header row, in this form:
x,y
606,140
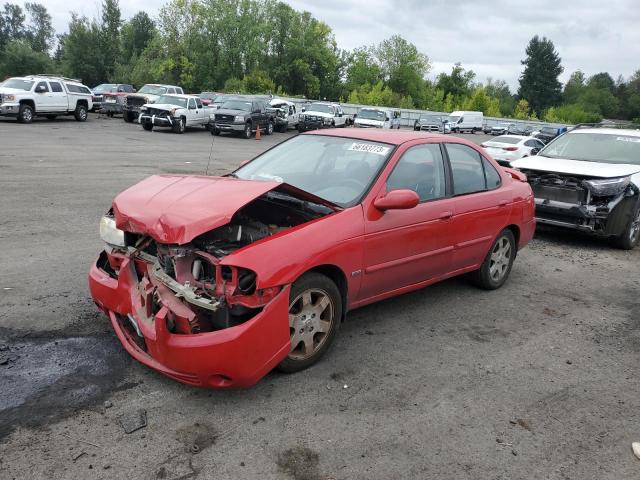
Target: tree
x,y
458,83
110,37
362,68
500,90
402,66
539,83
521,110
40,31
136,34
19,58
11,24
258,81
574,87
82,51
481,102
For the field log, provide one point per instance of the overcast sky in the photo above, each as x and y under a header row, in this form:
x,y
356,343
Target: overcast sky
x,y
487,37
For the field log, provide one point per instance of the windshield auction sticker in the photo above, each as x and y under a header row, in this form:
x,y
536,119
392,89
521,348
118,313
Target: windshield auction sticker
x,y
628,139
368,148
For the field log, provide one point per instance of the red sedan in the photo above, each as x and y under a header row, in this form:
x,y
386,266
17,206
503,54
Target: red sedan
x,y
215,281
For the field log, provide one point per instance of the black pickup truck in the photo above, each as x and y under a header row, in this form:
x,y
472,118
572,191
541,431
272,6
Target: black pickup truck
x,y
243,116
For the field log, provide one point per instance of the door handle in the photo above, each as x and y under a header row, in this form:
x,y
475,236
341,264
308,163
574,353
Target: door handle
x,y
445,215
503,203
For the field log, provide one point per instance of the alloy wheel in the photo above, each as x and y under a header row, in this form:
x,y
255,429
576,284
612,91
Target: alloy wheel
x,y
500,259
311,318
634,231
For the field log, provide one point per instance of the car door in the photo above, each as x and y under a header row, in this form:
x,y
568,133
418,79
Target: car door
x,y
482,208
58,96
200,112
406,247
192,115
339,116
43,98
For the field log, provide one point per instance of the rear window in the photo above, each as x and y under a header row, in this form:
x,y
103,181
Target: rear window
x,y
78,89
511,140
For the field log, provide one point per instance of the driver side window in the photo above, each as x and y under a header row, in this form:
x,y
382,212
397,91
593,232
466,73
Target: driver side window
x,y
421,169
192,103
42,87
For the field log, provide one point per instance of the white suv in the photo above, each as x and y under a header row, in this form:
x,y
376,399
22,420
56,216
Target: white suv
x,y
589,179
44,95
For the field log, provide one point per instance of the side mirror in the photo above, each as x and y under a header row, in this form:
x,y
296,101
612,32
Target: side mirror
x,y
303,109
40,89
534,151
134,90
387,119
340,114
397,200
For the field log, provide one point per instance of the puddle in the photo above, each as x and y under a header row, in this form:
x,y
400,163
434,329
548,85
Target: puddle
x,y
48,378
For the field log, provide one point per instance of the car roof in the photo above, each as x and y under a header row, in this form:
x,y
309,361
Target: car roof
x,y
609,131
393,137
180,95
521,137
161,85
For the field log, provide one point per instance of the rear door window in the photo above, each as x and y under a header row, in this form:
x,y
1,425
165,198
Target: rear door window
x,y
467,169
55,87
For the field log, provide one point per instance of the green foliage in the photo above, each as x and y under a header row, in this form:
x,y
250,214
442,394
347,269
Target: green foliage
x,y
521,110
110,37
458,84
19,58
40,31
479,101
234,85
571,113
539,83
82,52
258,81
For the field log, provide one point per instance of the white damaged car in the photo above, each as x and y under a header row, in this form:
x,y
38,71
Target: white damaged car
x,y
176,112
589,180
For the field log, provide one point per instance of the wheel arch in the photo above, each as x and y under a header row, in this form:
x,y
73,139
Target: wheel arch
x,y
29,102
515,229
337,276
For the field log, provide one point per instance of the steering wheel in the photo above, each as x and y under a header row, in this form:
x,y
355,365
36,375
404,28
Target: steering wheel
x,y
351,182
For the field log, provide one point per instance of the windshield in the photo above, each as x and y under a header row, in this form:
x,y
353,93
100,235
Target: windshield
x,y
369,114
339,170
595,147
320,107
171,100
454,118
549,130
153,90
431,118
237,105
105,87
18,84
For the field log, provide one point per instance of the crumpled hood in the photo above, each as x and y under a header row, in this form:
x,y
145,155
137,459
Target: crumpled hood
x,y
367,121
576,167
318,114
162,106
176,208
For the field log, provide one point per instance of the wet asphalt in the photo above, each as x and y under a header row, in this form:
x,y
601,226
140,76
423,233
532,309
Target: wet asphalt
x,y
536,380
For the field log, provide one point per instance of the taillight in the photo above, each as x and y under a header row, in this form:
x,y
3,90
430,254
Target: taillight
x,y
510,149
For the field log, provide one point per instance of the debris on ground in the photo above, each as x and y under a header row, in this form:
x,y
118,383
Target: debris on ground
x,y
635,446
80,454
108,404
133,421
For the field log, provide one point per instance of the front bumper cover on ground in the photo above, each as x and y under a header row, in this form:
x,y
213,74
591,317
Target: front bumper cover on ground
x,y
237,356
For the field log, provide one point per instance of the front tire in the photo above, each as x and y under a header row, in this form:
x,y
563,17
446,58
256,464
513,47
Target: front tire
x,y
148,126
315,310
246,133
214,131
80,113
497,264
631,235
128,117
269,130
179,125
25,114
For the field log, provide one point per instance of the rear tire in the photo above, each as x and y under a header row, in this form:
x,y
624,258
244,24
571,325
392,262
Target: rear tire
x,y
315,311
147,126
128,117
214,131
81,113
497,264
25,113
631,235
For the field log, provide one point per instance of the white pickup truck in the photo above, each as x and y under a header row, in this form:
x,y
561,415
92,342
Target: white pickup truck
x,y
44,95
175,111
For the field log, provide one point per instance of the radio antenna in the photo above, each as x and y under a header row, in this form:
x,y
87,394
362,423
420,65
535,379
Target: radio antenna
x,y
206,172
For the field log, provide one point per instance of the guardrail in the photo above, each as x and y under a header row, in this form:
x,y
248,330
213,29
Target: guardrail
x,y
409,116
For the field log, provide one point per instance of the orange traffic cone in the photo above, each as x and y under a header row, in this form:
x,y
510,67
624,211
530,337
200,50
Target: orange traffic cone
x,y
258,133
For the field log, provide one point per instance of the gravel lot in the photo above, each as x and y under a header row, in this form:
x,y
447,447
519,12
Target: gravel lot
x,y
537,380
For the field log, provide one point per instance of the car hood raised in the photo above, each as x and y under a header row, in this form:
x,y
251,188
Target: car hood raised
x,y
177,208
576,167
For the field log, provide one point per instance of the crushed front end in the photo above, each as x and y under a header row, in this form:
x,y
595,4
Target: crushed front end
x,y
601,206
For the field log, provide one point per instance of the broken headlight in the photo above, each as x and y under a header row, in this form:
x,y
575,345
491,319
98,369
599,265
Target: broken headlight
x,y
607,186
110,233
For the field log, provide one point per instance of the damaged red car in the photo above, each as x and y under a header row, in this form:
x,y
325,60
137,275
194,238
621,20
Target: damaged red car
x,y
215,281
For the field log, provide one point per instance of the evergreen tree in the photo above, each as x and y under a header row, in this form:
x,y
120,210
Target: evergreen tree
x,y
539,83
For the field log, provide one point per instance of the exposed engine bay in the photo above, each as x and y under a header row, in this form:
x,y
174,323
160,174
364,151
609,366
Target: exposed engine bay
x,y
601,206
200,294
